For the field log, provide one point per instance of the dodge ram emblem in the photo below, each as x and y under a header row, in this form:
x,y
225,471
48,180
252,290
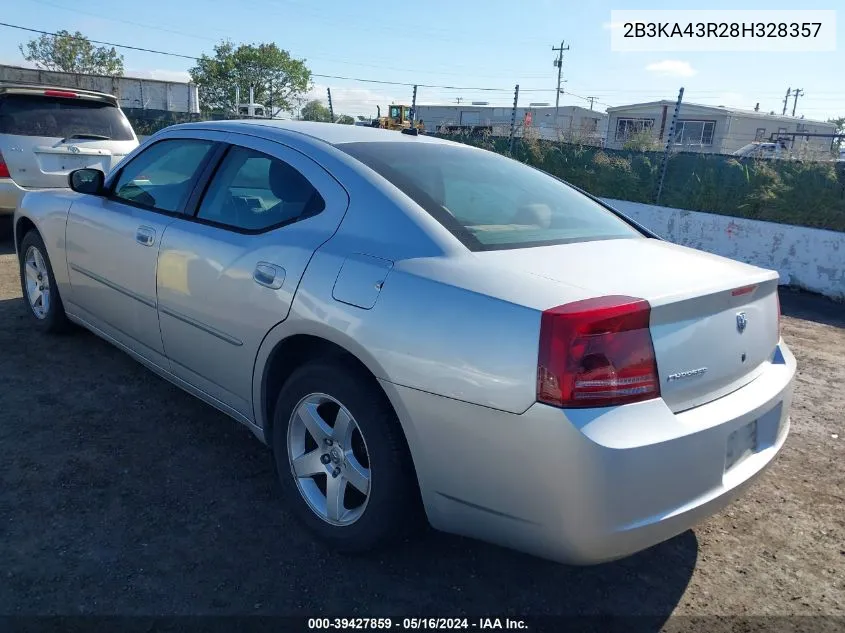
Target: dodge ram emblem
x,y
741,321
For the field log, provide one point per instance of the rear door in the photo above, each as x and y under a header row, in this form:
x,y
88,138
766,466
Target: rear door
x,y
46,134
228,274
113,241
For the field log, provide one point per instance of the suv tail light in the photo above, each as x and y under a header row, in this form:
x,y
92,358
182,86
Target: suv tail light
x,y
4,168
597,353
61,93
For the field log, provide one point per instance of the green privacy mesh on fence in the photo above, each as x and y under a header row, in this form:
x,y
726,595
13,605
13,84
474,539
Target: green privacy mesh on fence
x,y
146,122
785,191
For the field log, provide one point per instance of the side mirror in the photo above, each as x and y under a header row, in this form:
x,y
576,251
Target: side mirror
x,y
90,181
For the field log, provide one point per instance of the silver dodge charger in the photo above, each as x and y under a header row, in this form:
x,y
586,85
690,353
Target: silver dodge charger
x,y
422,329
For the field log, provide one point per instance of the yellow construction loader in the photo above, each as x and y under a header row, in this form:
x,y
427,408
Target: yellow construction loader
x,y
398,118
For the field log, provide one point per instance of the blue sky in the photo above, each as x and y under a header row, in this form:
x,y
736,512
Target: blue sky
x,y
491,43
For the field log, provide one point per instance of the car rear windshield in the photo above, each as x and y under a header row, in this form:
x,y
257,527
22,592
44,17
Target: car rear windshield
x,y
57,117
488,201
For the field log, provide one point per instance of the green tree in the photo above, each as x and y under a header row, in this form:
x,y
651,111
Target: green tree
x,y
315,111
72,53
276,78
345,119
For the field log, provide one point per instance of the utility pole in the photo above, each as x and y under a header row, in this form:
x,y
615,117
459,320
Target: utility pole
x,y
414,106
458,100
786,100
591,99
513,118
331,109
670,138
798,93
559,63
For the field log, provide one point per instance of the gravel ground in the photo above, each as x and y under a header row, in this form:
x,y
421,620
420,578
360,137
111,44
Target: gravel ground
x,y
120,494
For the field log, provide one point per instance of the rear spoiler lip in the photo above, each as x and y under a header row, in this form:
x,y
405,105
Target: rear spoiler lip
x,y
88,95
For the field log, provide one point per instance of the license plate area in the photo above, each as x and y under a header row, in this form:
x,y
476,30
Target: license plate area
x,y
741,443
64,163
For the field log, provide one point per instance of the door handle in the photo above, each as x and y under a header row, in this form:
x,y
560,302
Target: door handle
x,y
145,235
268,275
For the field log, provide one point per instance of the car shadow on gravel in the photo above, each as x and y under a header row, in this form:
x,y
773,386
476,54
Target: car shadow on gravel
x,y
123,495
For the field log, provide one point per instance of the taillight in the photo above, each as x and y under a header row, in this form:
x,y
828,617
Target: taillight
x,y
4,168
597,353
60,93
739,292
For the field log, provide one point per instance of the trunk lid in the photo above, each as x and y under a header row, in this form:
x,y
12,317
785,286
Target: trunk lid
x,y
45,162
714,321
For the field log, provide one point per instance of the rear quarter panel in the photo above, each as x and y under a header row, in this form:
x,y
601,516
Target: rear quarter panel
x,y
444,321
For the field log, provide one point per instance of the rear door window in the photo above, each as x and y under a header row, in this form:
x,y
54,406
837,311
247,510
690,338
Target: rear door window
x,y
253,192
61,117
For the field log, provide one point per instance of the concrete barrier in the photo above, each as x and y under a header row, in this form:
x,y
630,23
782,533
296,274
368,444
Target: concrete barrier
x,y
810,259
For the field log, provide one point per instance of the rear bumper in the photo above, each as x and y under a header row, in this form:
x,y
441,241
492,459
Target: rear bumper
x,y
10,196
588,486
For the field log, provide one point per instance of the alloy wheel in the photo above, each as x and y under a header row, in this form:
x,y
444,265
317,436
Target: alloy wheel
x,y
37,280
328,459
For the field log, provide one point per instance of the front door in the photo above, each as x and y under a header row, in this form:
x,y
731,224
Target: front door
x,y
113,242
228,274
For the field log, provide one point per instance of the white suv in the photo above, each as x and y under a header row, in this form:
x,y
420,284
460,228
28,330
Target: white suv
x,y
45,133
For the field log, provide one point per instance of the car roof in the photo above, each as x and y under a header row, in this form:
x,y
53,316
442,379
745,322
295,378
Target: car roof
x,y
332,133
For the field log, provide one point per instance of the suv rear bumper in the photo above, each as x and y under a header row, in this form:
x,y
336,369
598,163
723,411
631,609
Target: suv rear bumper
x,y
10,196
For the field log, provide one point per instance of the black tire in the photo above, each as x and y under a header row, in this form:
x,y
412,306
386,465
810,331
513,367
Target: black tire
x,y
54,319
5,228
393,508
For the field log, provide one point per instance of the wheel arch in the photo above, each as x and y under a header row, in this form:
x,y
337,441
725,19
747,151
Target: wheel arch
x,y
286,347
284,350
23,225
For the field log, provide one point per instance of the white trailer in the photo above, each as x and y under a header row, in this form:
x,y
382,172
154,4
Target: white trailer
x,y
570,123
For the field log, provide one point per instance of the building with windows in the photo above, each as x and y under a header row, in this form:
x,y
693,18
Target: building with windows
x,y
714,129
568,123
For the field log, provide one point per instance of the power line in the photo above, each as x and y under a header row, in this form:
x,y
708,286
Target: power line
x,y
405,83
133,48
193,58
211,39
121,21
486,89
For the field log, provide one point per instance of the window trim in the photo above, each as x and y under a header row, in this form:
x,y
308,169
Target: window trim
x,y
759,134
682,124
201,188
644,120
111,195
